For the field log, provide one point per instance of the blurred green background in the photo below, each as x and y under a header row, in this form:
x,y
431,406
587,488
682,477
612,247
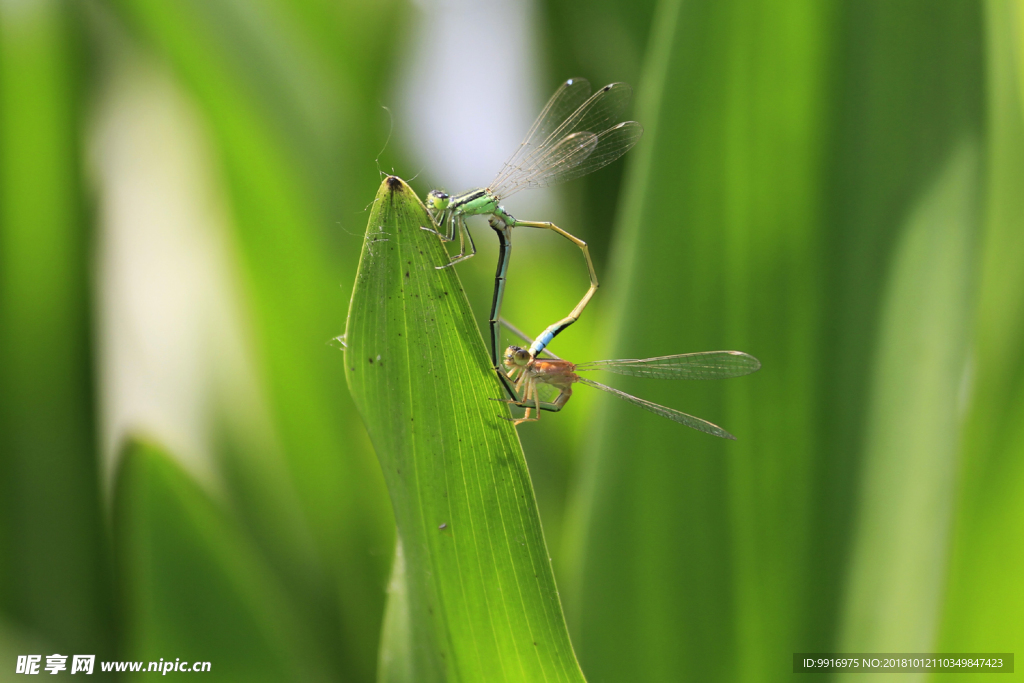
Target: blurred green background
x,y
835,188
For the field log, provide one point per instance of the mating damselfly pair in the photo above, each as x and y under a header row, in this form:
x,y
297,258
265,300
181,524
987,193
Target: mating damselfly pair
x,y
575,134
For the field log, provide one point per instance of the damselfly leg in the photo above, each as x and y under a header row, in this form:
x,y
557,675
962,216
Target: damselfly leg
x,y
554,330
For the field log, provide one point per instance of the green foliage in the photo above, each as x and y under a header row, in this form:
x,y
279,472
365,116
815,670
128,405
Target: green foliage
x,y
289,103
910,449
832,187
53,579
984,595
194,587
698,542
475,593
810,192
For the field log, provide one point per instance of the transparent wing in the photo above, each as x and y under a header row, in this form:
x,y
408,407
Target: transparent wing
x,y
553,169
566,100
704,365
567,153
674,415
535,166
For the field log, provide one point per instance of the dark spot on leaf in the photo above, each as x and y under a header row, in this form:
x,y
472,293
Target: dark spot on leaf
x,y
407,273
394,183
370,359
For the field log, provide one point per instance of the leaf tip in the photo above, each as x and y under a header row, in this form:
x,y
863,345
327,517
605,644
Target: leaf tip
x,y
395,184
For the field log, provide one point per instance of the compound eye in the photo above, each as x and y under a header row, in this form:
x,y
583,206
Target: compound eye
x,y
437,199
522,356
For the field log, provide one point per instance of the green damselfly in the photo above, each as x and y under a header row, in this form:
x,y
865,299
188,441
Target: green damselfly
x,y
529,372
575,134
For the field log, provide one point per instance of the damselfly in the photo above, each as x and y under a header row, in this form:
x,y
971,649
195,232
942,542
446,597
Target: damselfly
x,y
575,134
530,372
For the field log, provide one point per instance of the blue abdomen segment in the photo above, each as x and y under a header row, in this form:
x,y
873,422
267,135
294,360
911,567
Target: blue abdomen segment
x,y
542,341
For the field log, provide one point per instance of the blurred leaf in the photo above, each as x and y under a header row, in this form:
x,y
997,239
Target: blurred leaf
x,y
481,597
397,663
602,40
52,545
985,596
687,552
898,563
192,587
294,127
907,93
785,146
18,641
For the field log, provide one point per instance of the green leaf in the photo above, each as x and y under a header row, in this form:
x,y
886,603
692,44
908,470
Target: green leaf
x,y
52,542
897,567
786,145
480,592
985,596
295,123
192,587
686,559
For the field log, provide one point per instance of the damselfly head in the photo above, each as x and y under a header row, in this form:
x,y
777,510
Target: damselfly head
x,y
515,355
437,200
